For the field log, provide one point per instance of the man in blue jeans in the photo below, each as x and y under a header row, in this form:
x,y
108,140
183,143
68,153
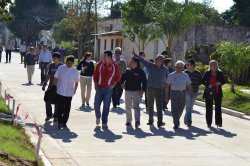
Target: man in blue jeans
x,y
196,78
106,77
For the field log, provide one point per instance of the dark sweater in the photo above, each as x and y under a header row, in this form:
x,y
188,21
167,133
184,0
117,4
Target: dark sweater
x,y
134,79
219,78
196,79
89,71
30,59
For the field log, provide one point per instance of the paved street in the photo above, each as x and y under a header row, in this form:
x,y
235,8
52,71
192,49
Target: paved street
x,y
84,144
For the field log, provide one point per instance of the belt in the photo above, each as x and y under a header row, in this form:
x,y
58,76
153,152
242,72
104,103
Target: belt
x,y
178,90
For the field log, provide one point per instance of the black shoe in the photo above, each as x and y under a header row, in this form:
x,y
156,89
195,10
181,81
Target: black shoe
x,y
150,123
209,126
175,127
114,105
64,126
137,124
55,120
160,124
219,125
60,126
47,119
87,104
128,124
189,125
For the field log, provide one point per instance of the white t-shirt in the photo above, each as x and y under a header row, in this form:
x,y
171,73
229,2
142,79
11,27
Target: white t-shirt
x,y
178,81
67,77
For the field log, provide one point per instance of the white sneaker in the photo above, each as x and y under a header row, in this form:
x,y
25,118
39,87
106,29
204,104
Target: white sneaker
x,y
97,121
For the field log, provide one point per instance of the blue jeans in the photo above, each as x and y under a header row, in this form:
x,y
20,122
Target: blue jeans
x,y
103,95
190,100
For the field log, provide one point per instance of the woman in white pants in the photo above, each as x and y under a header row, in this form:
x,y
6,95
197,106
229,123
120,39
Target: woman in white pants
x,y
86,66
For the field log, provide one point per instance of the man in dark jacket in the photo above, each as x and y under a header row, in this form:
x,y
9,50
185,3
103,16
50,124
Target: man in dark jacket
x,y
135,83
29,63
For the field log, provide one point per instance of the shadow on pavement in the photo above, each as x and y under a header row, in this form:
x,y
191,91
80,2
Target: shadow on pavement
x,y
27,84
118,110
138,133
223,132
197,112
85,109
65,134
106,135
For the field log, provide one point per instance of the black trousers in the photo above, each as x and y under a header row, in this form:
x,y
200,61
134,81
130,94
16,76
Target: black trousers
x,y
44,70
116,95
63,106
0,56
23,56
8,55
209,110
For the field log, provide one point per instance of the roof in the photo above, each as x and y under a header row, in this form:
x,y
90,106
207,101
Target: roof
x,y
111,33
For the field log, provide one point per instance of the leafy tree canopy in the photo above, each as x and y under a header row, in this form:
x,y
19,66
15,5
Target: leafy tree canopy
x,y
4,13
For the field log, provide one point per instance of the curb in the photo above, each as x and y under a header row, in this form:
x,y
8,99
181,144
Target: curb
x,y
227,111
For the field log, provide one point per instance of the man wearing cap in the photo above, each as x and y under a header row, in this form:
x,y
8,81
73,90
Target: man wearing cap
x,y
45,58
157,74
117,91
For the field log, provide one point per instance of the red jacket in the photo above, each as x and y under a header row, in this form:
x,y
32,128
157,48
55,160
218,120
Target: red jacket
x,y
105,76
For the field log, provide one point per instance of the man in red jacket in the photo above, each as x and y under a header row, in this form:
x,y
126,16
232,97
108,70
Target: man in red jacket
x,y
106,77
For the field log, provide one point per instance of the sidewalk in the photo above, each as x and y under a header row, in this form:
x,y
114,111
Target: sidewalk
x,y
84,144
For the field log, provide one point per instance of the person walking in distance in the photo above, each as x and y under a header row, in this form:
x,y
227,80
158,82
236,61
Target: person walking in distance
x,y
177,82
23,50
29,63
50,77
106,76
157,74
45,58
134,82
117,91
86,66
8,49
67,79
1,50
196,79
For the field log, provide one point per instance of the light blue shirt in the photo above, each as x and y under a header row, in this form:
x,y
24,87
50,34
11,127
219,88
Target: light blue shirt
x,y
45,56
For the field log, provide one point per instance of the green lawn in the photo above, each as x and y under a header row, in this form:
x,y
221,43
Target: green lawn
x,y
15,142
3,107
237,101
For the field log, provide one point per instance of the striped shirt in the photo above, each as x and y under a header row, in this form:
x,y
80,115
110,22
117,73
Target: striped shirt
x,y
196,79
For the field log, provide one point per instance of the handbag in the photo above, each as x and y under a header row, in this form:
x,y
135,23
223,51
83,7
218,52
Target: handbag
x,y
50,95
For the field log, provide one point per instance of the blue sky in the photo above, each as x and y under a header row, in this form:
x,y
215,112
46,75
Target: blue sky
x,y
220,5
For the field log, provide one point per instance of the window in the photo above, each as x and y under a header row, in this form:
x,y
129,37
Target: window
x,y
117,43
105,44
112,44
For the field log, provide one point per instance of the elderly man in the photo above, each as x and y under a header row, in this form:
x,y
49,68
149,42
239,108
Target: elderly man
x,y
179,81
45,58
157,74
117,91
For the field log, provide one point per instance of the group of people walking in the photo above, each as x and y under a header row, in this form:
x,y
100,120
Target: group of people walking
x,y
157,79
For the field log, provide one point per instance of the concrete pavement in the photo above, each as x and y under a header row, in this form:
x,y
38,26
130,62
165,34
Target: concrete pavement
x,y
84,144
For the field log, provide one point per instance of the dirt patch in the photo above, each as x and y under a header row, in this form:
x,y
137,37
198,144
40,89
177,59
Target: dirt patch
x,y
13,160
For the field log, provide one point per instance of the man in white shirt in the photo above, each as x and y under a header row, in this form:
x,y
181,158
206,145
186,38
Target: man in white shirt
x,y
23,50
67,79
45,58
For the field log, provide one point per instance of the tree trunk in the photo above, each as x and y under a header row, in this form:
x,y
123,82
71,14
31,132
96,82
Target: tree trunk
x,y
170,45
232,86
80,49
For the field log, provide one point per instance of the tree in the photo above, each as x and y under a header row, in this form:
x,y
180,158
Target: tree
x,y
4,13
136,23
238,14
30,19
116,10
172,19
234,58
